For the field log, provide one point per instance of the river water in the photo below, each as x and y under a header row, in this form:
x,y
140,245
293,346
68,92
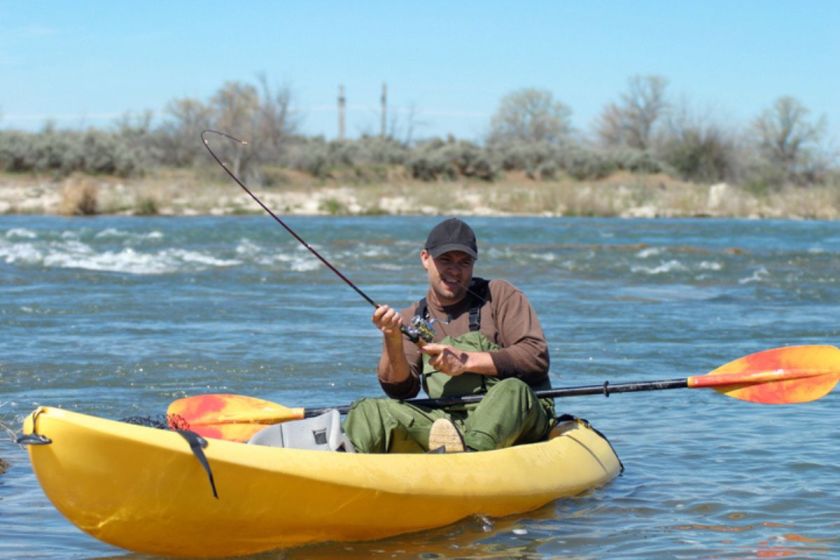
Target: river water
x,y
117,317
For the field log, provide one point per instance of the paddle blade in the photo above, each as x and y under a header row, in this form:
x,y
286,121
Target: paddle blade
x,y
230,417
788,375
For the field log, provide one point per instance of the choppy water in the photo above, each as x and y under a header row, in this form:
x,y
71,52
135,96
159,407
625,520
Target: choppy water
x,y
119,316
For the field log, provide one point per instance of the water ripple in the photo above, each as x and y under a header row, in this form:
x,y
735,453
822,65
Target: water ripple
x,y
119,316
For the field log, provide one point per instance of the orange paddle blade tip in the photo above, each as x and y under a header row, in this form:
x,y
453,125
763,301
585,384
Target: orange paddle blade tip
x,y
227,416
787,375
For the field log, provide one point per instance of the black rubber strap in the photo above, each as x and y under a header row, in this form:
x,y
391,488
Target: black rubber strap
x,y
475,318
197,445
479,293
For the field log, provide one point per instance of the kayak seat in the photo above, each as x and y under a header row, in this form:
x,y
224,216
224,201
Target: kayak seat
x,y
562,425
319,433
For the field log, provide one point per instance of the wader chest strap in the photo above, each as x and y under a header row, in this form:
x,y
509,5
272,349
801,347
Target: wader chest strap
x,y
478,296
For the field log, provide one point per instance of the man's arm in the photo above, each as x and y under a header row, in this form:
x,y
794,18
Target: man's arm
x,y
394,371
524,352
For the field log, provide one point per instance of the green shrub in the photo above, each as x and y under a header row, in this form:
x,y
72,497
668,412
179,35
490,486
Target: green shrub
x,y
585,164
635,161
437,160
762,178
524,156
64,152
273,176
700,155
333,206
146,206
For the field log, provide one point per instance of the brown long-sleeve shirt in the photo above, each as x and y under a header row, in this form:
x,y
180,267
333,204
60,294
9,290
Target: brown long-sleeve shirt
x,y
507,319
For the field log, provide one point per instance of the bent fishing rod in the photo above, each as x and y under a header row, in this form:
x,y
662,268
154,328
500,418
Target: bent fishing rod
x,y
418,329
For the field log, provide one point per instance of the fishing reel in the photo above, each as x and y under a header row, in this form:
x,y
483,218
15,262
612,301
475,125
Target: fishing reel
x,y
419,329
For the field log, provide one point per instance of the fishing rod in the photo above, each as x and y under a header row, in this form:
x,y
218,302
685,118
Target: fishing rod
x,y
418,329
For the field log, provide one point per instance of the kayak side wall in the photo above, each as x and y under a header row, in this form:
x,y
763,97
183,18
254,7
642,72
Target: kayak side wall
x,y
142,489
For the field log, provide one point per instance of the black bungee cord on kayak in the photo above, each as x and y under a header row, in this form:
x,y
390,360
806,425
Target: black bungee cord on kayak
x,y
418,330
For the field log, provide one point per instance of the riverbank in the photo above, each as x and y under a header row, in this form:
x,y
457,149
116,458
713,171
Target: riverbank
x,y
182,192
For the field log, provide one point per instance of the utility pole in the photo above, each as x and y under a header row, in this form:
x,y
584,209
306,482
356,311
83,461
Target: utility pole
x,y
384,100
342,103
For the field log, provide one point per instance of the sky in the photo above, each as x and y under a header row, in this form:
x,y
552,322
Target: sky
x,y
447,64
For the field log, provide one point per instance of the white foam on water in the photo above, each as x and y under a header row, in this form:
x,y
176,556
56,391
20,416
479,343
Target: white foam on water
x,y
759,275
126,261
72,253
387,266
304,262
122,234
373,251
197,257
298,259
21,233
248,248
710,265
250,251
20,253
111,232
649,252
663,268
305,265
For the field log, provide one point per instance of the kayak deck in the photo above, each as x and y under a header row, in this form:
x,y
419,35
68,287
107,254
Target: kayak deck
x,y
144,490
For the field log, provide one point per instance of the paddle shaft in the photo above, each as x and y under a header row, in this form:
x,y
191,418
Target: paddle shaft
x,y
604,389
693,382
786,375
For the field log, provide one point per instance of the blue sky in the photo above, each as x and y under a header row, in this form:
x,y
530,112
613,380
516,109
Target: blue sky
x,y
84,63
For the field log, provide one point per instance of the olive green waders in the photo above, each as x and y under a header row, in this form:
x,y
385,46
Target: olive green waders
x,y
510,413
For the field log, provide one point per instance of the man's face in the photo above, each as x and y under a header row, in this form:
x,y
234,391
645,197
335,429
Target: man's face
x,y
449,275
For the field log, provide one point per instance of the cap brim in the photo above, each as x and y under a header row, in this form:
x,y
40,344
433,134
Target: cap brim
x,y
438,251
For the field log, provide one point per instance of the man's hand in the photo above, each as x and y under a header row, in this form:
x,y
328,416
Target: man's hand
x,y
446,359
387,320
393,367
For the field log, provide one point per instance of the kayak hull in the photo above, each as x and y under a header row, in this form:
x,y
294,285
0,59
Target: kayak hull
x,y
144,490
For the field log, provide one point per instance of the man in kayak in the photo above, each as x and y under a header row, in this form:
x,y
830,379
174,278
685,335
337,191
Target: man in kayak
x,y
487,339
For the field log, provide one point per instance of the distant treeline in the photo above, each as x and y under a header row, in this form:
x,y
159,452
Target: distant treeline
x,y
642,131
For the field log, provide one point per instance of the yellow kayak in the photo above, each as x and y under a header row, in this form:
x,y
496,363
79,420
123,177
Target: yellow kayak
x,y
143,489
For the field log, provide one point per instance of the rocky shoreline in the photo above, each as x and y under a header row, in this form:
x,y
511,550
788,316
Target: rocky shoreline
x,y
621,195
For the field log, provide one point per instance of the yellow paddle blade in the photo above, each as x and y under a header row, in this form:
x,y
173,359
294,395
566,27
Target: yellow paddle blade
x,y
230,417
788,375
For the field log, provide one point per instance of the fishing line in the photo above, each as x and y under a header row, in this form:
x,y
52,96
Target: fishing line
x,y
416,330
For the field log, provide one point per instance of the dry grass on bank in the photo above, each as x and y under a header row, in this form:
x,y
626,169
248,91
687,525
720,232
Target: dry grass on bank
x,y
183,192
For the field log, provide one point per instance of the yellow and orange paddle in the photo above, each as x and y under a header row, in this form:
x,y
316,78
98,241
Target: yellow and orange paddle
x,y
787,375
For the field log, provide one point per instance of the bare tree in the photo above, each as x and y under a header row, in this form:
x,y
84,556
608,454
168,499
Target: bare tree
x,y
404,123
631,121
530,115
785,136
186,119
234,107
276,123
135,132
